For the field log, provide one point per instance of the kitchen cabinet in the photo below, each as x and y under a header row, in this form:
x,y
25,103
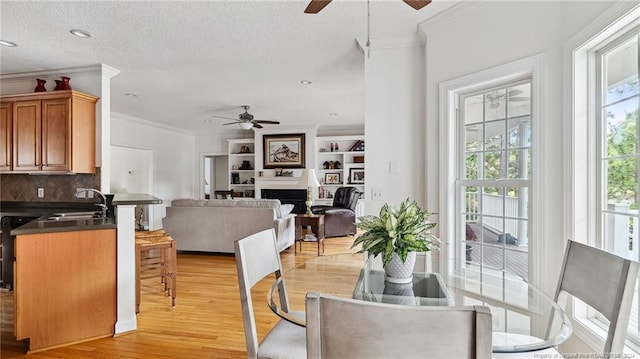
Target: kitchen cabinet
x,y
52,132
65,287
6,135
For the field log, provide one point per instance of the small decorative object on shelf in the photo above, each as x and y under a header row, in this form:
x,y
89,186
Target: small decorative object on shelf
x,y
245,149
358,146
40,87
246,165
337,165
332,148
325,165
62,85
335,147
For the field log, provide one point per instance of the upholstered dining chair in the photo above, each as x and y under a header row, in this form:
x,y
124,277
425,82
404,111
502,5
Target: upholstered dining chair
x,y
257,257
350,328
340,218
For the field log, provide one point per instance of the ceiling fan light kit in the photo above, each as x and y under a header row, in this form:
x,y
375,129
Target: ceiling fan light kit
x,y
245,125
246,121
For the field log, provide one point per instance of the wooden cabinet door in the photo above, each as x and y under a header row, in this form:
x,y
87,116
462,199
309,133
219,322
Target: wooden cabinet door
x,y
26,136
5,136
56,135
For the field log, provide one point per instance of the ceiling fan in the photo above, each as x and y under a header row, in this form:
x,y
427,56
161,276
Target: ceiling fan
x,y
245,120
315,6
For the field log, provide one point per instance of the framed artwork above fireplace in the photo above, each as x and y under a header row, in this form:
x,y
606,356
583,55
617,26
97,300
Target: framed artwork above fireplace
x,y
284,151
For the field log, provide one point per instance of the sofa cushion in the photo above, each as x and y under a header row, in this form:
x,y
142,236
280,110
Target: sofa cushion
x,y
220,203
286,209
186,202
262,203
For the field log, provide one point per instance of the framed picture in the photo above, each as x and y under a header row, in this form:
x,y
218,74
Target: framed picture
x,y
284,151
356,175
332,178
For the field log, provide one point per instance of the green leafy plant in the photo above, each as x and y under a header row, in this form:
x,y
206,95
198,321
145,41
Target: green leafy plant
x,y
400,231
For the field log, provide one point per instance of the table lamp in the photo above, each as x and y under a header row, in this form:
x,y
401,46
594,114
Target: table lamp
x,y
309,180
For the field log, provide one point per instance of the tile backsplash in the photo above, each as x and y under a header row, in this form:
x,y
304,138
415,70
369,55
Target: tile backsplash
x,y
57,188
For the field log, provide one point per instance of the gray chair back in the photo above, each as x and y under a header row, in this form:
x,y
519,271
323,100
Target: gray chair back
x,y
256,257
349,328
604,281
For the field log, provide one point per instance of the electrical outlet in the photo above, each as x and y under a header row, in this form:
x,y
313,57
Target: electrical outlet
x,y
80,193
376,194
40,192
89,194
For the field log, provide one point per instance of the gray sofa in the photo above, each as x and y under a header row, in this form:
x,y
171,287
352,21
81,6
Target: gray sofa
x,y
213,225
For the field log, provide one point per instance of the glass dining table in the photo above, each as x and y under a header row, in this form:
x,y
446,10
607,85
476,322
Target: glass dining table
x,y
524,318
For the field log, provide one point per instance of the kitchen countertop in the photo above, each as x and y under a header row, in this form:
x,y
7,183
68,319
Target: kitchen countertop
x,y
50,226
134,198
44,210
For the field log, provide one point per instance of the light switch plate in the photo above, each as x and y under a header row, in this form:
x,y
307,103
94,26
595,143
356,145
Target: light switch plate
x,y
40,192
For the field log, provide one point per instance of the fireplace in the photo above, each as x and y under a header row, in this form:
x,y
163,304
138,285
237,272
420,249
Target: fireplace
x,y
296,197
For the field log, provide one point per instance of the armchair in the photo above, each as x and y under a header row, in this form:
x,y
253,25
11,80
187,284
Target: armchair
x,y
340,218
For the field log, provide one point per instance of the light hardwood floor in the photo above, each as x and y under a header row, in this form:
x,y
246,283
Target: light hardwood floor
x,y
206,322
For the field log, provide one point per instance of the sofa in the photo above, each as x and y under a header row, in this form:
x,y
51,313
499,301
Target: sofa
x,y
213,225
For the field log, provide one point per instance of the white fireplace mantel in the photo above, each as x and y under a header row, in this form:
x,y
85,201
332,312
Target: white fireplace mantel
x,y
277,183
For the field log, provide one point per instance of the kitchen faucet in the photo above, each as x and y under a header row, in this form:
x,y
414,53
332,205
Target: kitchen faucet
x,y
104,199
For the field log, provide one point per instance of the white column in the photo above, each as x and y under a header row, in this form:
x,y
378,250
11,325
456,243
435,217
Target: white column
x,y
126,298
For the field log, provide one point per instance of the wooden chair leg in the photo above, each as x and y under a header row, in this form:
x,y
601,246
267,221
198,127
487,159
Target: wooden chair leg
x,y
137,279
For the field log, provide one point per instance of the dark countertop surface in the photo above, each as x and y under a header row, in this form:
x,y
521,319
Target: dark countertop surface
x,y
134,198
41,211
49,226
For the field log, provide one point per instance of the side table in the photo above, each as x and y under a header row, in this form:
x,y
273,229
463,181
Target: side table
x,y
316,222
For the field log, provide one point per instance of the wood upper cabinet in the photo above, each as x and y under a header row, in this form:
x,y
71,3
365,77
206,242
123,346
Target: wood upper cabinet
x,y
52,132
6,136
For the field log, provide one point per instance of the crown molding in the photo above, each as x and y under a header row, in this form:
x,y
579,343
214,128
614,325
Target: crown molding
x,y
150,123
20,76
450,15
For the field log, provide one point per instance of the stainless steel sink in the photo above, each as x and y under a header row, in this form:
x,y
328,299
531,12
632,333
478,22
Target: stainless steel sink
x,y
71,216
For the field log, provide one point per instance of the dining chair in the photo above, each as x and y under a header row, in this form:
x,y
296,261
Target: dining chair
x,y
605,282
349,328
257,257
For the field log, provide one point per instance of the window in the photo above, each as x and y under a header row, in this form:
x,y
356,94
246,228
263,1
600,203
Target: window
x,y
495,126
488,162
606,154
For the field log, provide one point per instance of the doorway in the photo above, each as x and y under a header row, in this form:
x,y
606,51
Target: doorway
x,y
215,170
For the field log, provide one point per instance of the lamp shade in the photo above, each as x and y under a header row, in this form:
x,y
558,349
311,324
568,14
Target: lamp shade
x,y
312,181
308,178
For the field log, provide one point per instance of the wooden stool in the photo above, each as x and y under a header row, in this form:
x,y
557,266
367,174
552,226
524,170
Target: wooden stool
x,y
163,266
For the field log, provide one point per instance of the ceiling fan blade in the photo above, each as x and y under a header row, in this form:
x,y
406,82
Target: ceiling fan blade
x,y
226,118
257,125
315,6
230,123
417,4
267,121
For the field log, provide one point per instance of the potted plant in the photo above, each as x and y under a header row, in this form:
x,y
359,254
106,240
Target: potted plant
x,y
396,235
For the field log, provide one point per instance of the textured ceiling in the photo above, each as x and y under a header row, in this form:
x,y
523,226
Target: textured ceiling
x,y
188,60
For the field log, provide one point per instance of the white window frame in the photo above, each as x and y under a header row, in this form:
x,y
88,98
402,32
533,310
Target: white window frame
x,y
450,91
581,202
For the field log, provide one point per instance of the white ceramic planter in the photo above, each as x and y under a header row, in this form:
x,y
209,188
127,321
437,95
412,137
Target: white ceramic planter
x,y
398,272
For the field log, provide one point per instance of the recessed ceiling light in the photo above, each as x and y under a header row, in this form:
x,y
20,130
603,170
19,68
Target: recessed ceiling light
x,y
306,82
131,94
8,43
80,33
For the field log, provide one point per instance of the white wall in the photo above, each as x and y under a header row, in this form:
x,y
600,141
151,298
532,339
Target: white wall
x,y
394,125
174,164
493,34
